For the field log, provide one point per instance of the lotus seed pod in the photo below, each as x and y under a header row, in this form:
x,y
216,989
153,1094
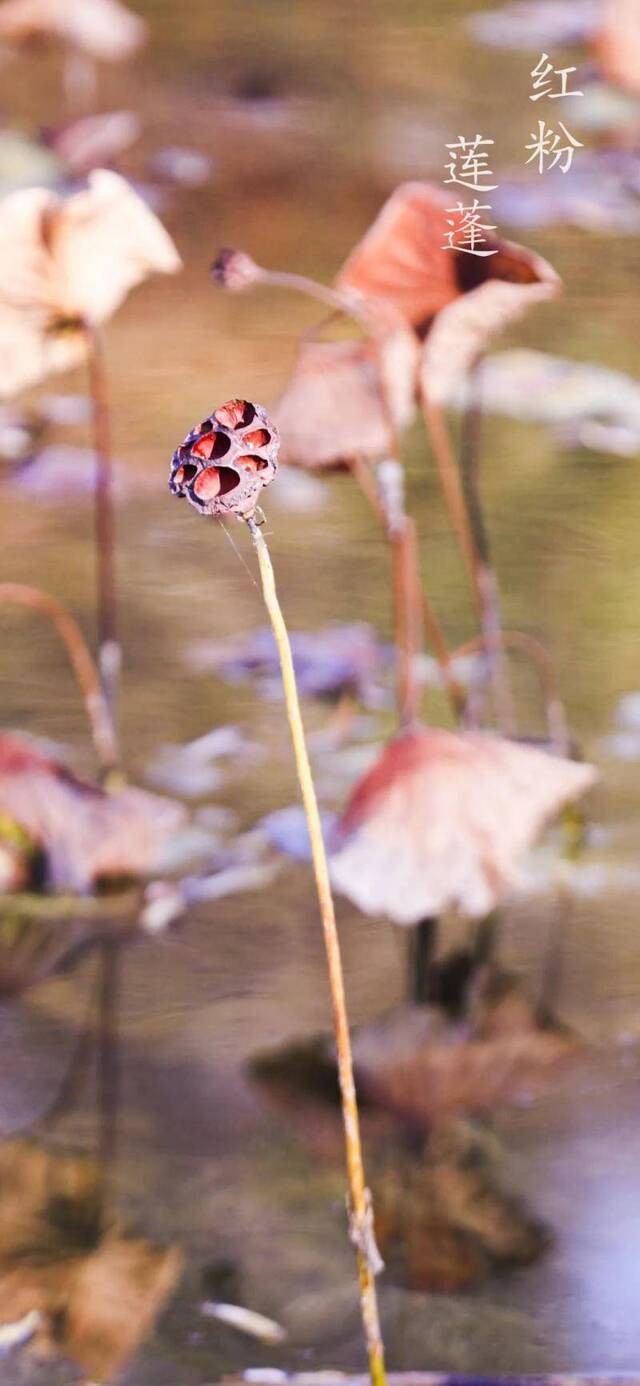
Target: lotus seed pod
x,y
224,463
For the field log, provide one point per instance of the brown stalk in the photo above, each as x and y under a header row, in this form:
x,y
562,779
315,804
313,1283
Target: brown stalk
x,y
482,578
360,1209
108,647
556,716
362,473
82,663
344,304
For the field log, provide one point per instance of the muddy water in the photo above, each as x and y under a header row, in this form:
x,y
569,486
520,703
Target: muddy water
x,y
311,114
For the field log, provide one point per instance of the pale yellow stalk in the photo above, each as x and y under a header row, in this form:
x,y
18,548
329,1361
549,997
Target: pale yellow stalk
x,y
361,1222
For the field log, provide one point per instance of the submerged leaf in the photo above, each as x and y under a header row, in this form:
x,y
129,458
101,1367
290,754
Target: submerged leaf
x,y
425,1068
328,662
96,1290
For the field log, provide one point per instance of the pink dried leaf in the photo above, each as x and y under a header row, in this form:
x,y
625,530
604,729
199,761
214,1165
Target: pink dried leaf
x,y
403,260
63,261
443,819
618,43
333,410
85,832
102,29
463,330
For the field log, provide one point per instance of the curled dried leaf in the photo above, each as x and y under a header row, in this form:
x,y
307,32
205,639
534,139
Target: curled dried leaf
x,y
69,261
403,260
463,330
102,29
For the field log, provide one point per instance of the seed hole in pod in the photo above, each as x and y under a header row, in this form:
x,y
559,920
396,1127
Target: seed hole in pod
x,y
206,426
186,472
211,447
253,464
236,413
215,481
258,439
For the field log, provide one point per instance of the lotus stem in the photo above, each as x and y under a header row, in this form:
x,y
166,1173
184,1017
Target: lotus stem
x,y
482,578
557,725
422,942
470,440
108,1053
362,474
108,647
333,298
82,663
348,307
360,1210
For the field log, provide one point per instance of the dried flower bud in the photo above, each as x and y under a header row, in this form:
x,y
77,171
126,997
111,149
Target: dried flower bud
x,y
234,270
223,464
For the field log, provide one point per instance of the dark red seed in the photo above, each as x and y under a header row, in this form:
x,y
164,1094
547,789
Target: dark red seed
x,y
215,481
253,464
207,485
236,413
211,447
257,439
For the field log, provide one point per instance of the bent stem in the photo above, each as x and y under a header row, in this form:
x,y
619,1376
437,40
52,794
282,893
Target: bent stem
x,y
82,663
557,725
482,578
360,1210
108,647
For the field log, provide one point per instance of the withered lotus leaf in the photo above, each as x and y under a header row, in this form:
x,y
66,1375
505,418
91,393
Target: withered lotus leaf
x,y
403,259
463,330
97,1289
67,261
334,407
212,467
442,820
450,1217
86,833
618,43
102,29
425,1068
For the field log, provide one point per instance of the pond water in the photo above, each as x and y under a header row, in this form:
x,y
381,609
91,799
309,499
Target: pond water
x,y
310,114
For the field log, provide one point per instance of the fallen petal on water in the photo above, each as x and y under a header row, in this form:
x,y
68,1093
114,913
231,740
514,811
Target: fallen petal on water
x,y
188,168
15,1335
246,1321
